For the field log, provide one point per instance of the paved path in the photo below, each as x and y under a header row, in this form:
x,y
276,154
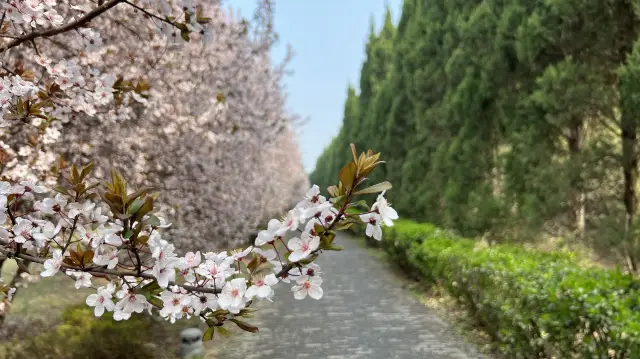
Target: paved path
x,y
365,313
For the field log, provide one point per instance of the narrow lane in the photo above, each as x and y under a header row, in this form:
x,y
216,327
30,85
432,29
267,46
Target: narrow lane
x,y
365,313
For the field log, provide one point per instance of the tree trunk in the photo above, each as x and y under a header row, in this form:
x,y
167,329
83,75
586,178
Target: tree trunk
x,y
630,172
627,81
575,143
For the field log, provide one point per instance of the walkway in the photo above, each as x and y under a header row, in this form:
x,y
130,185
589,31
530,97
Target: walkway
x,y
365,313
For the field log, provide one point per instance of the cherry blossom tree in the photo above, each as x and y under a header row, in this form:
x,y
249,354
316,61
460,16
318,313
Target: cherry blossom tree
x,y
180,114
129,84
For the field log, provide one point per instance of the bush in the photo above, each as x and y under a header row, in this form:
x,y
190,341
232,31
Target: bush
x,y
533,304
82,335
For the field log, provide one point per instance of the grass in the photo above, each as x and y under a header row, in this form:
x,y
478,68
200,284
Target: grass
x,y
38,309
42,301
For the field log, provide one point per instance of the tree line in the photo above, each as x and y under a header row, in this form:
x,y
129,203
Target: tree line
x,y
510,119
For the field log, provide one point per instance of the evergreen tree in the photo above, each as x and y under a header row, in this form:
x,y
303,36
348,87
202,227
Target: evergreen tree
x,y
506,117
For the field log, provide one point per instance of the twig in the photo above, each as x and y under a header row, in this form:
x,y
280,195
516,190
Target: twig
x,y
148,13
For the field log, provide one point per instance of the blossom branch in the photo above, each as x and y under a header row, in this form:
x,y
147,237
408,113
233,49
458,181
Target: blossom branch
x,y
99,271
61,29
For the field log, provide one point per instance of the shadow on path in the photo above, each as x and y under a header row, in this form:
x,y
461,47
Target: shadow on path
x,y
365,313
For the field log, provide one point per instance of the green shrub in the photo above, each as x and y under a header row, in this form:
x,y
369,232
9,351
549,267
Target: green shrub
x,y
533,304
83,336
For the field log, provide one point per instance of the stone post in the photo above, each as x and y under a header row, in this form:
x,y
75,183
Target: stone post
x,y
191,346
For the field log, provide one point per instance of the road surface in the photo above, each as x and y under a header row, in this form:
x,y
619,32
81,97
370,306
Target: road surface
x,y
365,313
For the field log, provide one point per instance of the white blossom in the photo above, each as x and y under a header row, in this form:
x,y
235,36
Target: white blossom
x,y
387,214
308,286
101,301
261,287
129,304
302,247
373,225
269,234
83,279
232,297
52,265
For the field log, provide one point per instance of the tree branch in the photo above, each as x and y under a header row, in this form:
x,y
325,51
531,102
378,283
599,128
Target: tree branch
x,y
117,273
58,30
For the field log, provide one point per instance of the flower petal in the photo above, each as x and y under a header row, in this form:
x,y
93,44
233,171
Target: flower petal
x,y
297,256
91,300
315,292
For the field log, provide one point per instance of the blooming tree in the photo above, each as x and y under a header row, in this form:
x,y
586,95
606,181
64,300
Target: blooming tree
x,y
110,237
168,113
147,87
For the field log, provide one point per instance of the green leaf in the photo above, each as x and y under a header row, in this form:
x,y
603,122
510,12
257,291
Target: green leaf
x,y
247,313
86,170
155,301
361,204
223,331
114,198
220,312
135,206
382,186
208,334
325,242
181,26
146,208
62,190
354,153
137,194
79,187
127,234
343,225
119,186
153,286
334,247
142,239
92,186
153,221
348,175
76,257
87,257
245,326
185,35
337,199
75,175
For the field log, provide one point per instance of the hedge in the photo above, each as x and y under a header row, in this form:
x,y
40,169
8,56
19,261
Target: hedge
x,y
533,304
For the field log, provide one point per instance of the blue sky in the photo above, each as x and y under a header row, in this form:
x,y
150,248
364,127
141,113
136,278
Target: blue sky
x,y
328,38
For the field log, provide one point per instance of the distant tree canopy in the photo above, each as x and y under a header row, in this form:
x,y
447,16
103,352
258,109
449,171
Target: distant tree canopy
x,y
505,118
